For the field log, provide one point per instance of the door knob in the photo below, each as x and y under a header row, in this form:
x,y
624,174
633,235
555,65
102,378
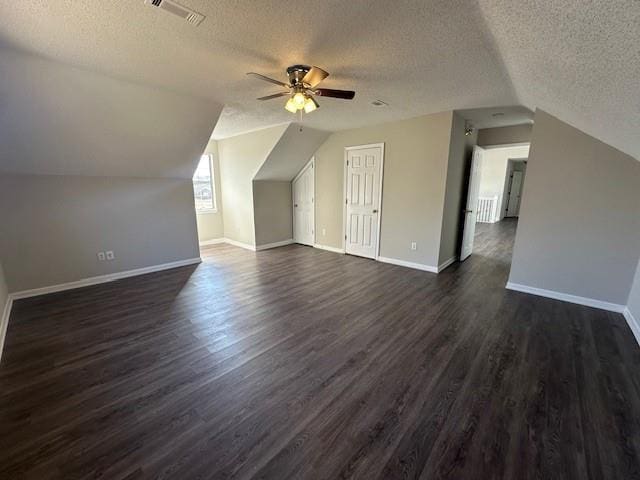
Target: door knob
x,y
468,211
375,211
295,205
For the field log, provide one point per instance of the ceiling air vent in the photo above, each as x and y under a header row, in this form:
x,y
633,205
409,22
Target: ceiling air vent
x,y
194,18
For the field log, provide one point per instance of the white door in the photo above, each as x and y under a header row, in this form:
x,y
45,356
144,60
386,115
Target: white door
x,y
363,194
515,190
470,213
303,206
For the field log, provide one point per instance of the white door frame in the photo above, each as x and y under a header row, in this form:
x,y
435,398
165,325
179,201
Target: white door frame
x,y
309,164
344,194
505,188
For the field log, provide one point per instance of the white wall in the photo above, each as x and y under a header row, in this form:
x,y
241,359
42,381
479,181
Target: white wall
x,y
211,224
240,159
53,226
579,227
633,302
292,152
494,171
413,192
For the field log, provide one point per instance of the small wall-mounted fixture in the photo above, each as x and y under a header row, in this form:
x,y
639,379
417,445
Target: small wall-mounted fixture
x,y
379,103
468,129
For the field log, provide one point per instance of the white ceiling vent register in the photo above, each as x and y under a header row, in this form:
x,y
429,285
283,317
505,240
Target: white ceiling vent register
x,y
194,18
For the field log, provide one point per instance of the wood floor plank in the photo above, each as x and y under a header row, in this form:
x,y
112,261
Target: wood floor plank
x,y
305,364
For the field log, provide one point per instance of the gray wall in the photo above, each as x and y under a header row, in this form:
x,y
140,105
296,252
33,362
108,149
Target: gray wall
x,y
91,163
53,226
240,159
272,211
460,152
633,302
415,169
505,135
60,120
4,298
579,227
211,224
4,293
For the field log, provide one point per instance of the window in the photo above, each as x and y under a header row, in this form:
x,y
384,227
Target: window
x,y
203,186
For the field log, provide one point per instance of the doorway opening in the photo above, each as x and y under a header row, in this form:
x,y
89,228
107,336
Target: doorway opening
x,y
496,183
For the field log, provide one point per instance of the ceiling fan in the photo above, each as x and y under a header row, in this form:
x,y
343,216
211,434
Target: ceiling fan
x,y
303,80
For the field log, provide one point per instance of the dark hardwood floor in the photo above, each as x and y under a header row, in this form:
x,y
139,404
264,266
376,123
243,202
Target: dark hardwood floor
x,y
300,363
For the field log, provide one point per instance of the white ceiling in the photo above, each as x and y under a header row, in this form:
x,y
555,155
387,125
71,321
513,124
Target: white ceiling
x,y
576,59
497,116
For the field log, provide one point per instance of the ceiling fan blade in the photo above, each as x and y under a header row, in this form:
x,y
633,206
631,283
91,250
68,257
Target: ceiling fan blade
x,y
314,76
329,92
267,79
275,95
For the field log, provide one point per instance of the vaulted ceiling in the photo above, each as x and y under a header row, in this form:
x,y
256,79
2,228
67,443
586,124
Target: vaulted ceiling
x,y
577,59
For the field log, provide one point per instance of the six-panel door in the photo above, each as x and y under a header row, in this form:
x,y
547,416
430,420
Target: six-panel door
x,y
363,200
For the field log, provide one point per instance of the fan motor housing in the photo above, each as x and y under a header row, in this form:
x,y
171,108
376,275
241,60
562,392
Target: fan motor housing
x,y
296,73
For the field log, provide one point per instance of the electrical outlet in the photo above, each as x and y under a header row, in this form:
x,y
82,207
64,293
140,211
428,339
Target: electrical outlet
x,y
110,255
101,256
414,246
324,232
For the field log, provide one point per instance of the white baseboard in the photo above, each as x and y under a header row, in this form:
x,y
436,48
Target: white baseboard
x,y
110,277
566,297
633,323
267,246
213,241
85,282
236,243
404,263
4,322
328,248
447,263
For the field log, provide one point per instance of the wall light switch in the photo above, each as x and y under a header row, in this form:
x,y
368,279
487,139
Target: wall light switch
x,y
101,256
110,255
324,232
414,246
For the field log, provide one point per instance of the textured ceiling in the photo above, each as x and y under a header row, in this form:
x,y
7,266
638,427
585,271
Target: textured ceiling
x,y
577,59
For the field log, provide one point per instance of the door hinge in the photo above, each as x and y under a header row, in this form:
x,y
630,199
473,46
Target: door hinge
x,y
345,237
347,163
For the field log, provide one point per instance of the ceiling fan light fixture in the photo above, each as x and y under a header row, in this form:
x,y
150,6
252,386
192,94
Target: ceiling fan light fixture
x,y
299,99
291,105
310,105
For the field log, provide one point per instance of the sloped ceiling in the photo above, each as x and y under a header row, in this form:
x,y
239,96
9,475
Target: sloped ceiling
x,y
56,120
576,59
292,152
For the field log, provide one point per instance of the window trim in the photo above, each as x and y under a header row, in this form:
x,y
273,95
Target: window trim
x,y
205,211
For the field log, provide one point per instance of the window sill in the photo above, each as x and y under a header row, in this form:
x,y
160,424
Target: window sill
x,y
206,212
